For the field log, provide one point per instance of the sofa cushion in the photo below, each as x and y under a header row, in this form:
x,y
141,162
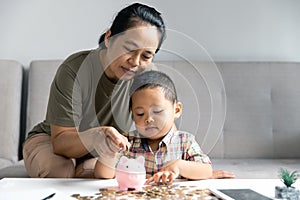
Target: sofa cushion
x,y
4,162
242,168
256,168
16,170
11,74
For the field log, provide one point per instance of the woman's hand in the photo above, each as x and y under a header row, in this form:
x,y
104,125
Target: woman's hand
x,y
115,140
222,174
167,174
110,141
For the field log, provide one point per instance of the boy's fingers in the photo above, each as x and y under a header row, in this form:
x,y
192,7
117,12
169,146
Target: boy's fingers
x,y
165,177
157,177
149,180
222,174
172,177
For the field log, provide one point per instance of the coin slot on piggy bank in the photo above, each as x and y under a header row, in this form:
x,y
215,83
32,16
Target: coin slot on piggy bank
x,y
131,173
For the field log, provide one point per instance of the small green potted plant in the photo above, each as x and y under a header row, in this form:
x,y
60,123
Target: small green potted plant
x,y
288,191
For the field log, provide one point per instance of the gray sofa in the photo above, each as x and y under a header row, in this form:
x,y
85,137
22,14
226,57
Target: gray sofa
x,y
245,115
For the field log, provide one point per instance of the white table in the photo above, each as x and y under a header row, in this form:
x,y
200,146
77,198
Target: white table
x,y
32,188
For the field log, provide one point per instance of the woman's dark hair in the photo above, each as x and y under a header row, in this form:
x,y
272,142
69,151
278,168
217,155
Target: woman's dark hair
x,y
153,79
133,15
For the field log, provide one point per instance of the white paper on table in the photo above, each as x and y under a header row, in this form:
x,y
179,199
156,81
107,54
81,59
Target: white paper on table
x,y
37,194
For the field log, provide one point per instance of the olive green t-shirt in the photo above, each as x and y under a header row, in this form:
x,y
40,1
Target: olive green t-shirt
x,y
82,96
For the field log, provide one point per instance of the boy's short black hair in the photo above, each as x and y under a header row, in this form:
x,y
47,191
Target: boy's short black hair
x,y
152,79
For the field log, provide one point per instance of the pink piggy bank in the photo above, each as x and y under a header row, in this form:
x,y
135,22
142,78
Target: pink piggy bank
x,y
131,173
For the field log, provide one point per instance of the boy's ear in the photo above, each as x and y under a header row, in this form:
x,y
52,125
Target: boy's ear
x,y
178,109
106,37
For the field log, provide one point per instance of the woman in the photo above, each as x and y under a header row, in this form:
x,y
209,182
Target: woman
x,y
82,109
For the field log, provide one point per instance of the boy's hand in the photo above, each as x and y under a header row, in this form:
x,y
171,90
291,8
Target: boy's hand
x,y
167,174
222,174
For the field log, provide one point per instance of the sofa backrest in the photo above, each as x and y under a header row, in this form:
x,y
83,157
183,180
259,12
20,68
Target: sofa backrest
x,y
235,109
41,74
262,106
263,110
11,75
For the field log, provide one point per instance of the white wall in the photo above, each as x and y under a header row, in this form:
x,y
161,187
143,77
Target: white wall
x,y
251,30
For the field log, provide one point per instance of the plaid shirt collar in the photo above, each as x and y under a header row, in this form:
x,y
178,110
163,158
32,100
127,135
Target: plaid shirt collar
x,y
140,142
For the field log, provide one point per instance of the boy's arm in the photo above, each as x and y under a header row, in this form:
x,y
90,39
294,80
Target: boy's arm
x,y
194,170
187,169
196,154
194,164
107,161
106,170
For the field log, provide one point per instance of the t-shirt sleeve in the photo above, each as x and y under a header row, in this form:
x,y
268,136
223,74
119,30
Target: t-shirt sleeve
x,y
194,152
65,103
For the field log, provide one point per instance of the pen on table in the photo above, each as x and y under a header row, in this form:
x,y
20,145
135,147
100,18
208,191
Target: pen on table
x,y
49,197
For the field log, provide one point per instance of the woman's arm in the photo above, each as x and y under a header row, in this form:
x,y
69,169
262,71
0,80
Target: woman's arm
x,y
67,141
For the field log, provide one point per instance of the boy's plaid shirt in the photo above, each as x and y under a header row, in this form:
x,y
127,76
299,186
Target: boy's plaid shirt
x,y
175,145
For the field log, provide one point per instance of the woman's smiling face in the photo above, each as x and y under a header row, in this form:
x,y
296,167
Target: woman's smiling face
x,y
153,114
130,52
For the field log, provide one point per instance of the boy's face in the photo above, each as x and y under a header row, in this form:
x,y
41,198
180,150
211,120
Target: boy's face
x,y
153,114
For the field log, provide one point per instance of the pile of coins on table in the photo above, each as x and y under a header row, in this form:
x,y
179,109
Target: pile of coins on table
x,y
158,191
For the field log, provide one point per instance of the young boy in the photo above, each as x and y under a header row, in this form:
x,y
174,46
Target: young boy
x,y
169,153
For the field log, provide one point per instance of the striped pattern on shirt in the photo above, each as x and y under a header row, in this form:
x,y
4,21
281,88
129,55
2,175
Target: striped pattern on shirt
x,y
175,145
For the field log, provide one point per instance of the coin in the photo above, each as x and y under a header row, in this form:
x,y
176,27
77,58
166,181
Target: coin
x,y
155,191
